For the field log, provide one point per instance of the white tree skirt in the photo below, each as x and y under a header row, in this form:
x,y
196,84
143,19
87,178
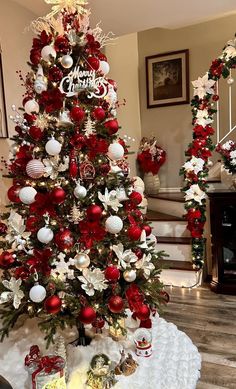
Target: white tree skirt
x,y
175,363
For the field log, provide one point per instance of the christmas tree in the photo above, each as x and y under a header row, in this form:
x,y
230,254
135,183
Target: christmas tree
x,y
76,247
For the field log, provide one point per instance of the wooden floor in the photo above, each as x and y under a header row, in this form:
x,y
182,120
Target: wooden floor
x,y
209,319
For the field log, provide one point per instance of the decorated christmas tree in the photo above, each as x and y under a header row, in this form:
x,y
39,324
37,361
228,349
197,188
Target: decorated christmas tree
x,y
76,248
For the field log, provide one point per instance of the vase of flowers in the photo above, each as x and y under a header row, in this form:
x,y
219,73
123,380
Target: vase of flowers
x,y
228,153
150,158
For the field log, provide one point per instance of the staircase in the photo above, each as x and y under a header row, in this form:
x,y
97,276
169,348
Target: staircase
x,y
169,226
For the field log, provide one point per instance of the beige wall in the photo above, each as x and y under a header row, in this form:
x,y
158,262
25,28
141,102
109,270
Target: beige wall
x,y
123,60
15,52
172,125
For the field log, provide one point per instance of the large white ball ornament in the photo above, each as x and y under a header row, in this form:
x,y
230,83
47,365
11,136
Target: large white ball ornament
x,y
27,195
53,147
48,52
114,224
80,192
31,106
82,261
35,168
37,293
130,275
45,235
104,67
116,151
67,61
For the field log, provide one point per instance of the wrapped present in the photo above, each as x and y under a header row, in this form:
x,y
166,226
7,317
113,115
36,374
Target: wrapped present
x,y
47,372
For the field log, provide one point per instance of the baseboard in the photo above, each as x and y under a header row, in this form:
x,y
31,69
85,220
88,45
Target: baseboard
x,y
170,190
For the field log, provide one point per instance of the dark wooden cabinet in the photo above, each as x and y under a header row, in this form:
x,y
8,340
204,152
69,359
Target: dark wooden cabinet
x,y
223,240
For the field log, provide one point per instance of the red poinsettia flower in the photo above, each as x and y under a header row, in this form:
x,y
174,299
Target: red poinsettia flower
x,y
62,45
55,74
39,262
216,67
91,232
203,132
52,100
96,146
134,297
193,214
23,156
38,43
42,205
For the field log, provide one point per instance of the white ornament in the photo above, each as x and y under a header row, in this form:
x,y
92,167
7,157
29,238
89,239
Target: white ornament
x,y
37,293
80,192
31,106
125,257
53,147
64,118
104,67
35,168
16,234
45,235
67,61
115,151
139,185
40,85
114,224
81,261
14,293
109,199
27,195
92,280
230,81
130,275
48,52
121,194
62,269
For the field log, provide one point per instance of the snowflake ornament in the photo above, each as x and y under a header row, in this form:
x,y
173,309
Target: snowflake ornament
x,y
125,257
146,265
195,193
14,294
195,165
109,199
203,85
92,280
62,270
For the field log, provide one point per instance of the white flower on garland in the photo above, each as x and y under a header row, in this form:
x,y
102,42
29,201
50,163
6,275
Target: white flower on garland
x,y
203,118
14,294
109,199
125,257
227,145
53,167
93,280
195,193
194,164
232,154
146,265
62,269
233,161
16,234
202,86
229,52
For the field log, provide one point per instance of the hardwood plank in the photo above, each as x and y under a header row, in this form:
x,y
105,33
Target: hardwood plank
x,y
179,265
174,196
204,385
174,240
217,374
159,216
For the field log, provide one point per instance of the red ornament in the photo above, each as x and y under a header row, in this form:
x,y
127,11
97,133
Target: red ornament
x,y
64,239
116,304
13,193
93,62
73,168
36,133
143,312
52,305
94,212
112,126
3,228
147,229
134,232
112,273
6,259
58,195
77,114
113,83
138,253
136,197
102,57
165,296
87,315
32,224
99,113
98,323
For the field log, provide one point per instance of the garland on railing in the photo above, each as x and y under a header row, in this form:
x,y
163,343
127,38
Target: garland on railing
x,y
195,170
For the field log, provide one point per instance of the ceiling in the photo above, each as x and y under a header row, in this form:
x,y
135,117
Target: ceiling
x,y
127,16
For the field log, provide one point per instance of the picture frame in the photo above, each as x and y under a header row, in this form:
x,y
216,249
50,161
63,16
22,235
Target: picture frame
x,y
3,112
167,79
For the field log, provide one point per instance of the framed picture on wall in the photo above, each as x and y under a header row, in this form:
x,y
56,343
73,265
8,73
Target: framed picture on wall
x,y
167,78
3,115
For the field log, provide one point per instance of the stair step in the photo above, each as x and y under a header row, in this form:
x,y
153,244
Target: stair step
x,y
174,240
174,196
213,180
159,216
177,265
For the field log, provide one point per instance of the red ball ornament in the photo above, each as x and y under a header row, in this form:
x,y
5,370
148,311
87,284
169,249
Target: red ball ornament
x,y
94,212
77,114
134,232
112,126
93,62
99,113
36,133
13,193
64,239
58,195
147,229
52,305
102,57
6,259
136,197
32,224
87,315
112,273
113,83
116,304
98,323
143,312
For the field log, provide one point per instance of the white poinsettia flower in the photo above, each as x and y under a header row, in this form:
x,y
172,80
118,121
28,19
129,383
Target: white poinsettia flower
x,y
109,199
229,52
53,167
227,145
195,193
146,265
233,162
16,234
15,294
93,280
125,257
232,154
202,86
203,118
62,269
195,165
